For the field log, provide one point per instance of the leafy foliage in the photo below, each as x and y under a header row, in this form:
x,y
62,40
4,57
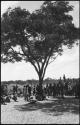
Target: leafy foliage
x,y
37,37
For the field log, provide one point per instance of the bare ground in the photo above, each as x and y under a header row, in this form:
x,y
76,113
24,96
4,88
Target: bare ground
x,y
50,111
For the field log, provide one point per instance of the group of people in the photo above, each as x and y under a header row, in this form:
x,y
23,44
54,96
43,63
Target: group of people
x,y
27,92
56,90
7,98
53,90
60,89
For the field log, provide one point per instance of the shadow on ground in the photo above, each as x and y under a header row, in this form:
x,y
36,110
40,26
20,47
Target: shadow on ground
x,y
55,107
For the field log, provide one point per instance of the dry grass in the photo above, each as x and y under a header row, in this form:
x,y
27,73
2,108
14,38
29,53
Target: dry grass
x,y
55,111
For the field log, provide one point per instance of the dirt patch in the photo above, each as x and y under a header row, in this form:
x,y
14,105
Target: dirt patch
x,y
55,111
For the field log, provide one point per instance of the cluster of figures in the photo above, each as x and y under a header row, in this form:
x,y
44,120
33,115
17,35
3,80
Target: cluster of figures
x,y
30,92
27,92
7,98
60,89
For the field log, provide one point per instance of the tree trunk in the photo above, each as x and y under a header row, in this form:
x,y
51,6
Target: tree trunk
x,y
40,95
40,82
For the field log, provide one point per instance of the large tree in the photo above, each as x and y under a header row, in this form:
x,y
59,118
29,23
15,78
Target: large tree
x,y
37,37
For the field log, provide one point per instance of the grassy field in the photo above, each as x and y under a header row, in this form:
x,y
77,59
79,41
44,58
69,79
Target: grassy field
x,y
51,110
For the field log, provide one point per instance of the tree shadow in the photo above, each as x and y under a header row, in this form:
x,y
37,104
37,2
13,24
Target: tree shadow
x,y
55,107
3,103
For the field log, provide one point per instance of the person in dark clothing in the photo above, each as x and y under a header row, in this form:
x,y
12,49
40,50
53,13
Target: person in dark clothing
x,y
66,88
54,90
47,89
44,91
14,97
7,99
50,90
58,89
2,100
77,89
29,91
34,90
16,88
64,78
24,92
61,88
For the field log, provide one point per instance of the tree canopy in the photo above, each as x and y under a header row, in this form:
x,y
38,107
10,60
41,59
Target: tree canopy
x,y
37,37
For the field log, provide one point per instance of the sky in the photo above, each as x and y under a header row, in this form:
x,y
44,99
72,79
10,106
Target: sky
x,y
67,64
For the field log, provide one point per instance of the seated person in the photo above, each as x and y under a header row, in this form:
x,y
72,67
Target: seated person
x,y
2,100
14,97
32,99
7,99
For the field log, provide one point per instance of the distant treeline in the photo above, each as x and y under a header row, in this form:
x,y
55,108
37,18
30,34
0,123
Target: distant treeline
x,y
19,82
46,81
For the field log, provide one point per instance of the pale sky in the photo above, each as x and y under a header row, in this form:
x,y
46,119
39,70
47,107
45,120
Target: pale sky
x,y
67,64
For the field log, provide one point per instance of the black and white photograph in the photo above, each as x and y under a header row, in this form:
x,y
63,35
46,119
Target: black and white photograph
x,y
40,62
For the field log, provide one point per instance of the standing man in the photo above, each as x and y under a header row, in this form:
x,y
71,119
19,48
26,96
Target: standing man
x,y
61,88
29,91
34,90
24,92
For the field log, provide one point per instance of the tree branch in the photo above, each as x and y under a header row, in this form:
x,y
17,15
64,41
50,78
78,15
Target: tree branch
x,y
43,63
17,52
33,56
47,55
54,59
44,69
25,39
30,60
34,66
